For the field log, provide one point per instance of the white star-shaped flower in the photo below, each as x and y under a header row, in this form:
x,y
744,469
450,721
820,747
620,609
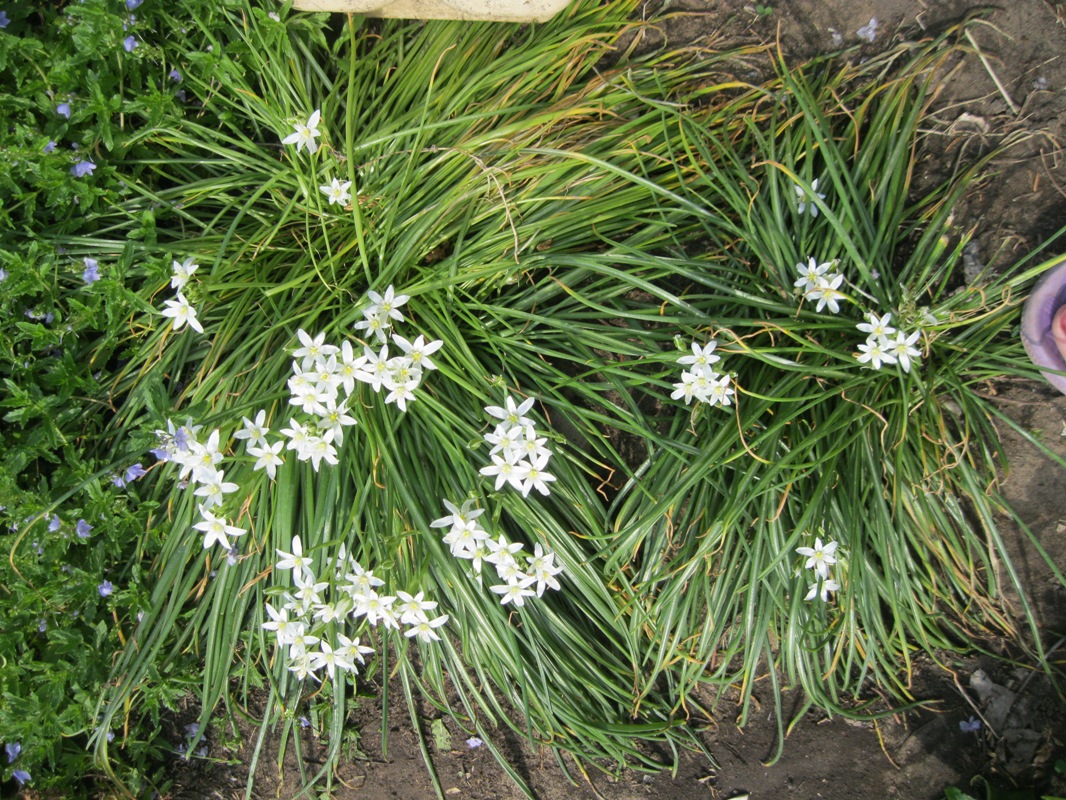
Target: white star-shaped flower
x,y
337,192
304,134
181,313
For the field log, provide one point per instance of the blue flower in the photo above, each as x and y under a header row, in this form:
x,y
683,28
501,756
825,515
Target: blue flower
x,y
48,148
133,5
105,588
92,271
971,725
54,523
181,439
12,749
4,21
473,742
42,626
135,472
174,75
82,168
129,43
21,776
63,110
83,529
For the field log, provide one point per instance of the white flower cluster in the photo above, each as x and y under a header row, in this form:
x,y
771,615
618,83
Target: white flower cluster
x,y
199,463
402,374
820,558
816,282
519,457
468,540
179,309
321,374
314,609
883,348
700,380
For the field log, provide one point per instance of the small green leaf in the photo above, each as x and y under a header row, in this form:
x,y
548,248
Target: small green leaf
x,y
441,738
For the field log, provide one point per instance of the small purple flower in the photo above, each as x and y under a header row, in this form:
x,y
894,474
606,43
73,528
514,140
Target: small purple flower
x,y
54,524
12,749
4,21
105,588
474,742
42,626
160,453
21,776
305,722
63,110
181,439
117,481
111,736
48,148
174,75
82,168
133,5
129,43
134,472
971,725
83,529
92,271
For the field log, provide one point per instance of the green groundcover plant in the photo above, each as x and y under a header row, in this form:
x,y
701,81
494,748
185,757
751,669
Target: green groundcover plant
x,y
78,80
546,378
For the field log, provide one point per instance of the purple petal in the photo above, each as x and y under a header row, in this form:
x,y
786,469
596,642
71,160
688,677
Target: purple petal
x,y
1048,296
134,472
82,168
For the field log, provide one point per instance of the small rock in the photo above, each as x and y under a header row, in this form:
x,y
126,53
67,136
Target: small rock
x,y
972,266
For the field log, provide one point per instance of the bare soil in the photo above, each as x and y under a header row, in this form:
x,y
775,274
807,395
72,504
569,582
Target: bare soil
x,y
1014,84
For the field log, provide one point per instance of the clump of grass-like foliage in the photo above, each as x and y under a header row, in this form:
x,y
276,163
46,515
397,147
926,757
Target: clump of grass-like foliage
x,y
567,224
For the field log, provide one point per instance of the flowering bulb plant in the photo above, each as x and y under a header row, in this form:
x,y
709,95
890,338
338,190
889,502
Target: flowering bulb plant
x,y
632,420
